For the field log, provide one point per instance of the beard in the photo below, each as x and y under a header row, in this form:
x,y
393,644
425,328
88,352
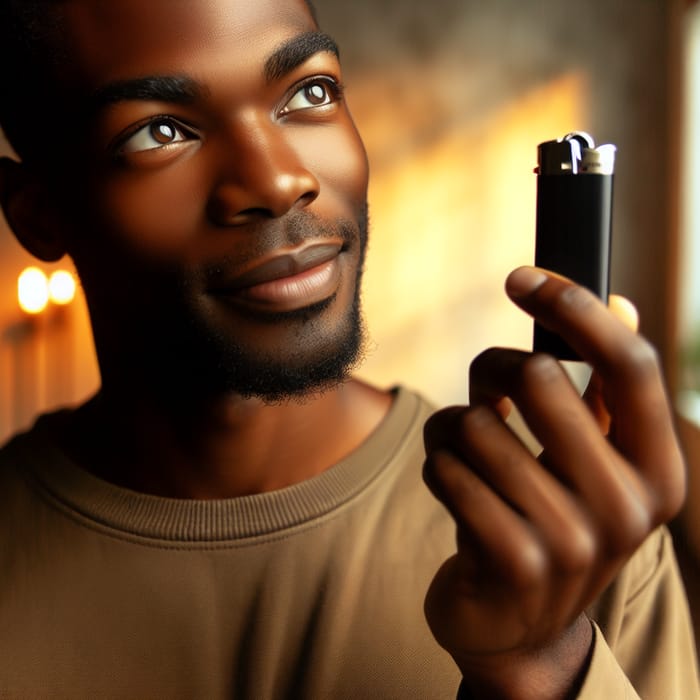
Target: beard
x,y
172,342
218,364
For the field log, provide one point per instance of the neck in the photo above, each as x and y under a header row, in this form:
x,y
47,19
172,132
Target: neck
x,y
222,447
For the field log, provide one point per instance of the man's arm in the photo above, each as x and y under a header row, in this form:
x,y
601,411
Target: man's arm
x,y
540,539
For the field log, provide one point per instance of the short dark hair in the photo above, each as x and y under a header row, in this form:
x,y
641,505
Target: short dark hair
x,y
29,60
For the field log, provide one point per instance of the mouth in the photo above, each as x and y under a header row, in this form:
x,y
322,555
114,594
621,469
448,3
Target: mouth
x,y
288,281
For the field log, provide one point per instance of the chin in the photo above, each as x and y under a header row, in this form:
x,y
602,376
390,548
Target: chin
x,y
315,361
295,355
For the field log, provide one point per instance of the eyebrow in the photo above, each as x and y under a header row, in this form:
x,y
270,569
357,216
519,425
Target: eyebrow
x,y
178,89
183,89
292,53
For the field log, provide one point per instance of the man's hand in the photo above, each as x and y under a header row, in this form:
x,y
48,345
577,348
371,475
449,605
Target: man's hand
x,y
539,539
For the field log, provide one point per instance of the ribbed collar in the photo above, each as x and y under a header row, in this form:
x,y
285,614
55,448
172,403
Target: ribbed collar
x,y
191,521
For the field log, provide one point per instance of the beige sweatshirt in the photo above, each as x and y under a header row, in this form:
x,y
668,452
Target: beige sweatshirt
x,y
314,591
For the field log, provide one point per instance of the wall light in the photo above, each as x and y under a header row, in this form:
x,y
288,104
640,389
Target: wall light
x,y
32,290
35,290
61,287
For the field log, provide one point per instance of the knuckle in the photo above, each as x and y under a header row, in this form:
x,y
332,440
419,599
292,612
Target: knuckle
x,y
474,421
670,495
667,511
632,523
428,469
575,298
640,361
437,426
430,427
432,472
579,554
528,567
486,356
434,466
539,369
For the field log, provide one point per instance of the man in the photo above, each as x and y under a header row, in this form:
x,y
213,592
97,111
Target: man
x,y
233,515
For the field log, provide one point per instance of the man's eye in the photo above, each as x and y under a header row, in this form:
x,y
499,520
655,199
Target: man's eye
x,y
316,93
156,134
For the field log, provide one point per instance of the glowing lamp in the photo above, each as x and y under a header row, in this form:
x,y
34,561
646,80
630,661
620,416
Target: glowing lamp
x,y
61,287
32,290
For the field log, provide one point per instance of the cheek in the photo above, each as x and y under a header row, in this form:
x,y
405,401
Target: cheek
x,y
159,214
337,158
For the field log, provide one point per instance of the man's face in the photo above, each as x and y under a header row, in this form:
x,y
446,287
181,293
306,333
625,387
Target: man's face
x,y
219,189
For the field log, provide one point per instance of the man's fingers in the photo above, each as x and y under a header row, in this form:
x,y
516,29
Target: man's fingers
x,y
576,314
484,446
519,527
539,538
633,385
578,455
493,373
625,310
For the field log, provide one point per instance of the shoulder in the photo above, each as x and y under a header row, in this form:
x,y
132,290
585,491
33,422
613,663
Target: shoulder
x,y
24,454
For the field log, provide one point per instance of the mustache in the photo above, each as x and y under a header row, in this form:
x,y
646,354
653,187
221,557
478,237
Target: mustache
x,y
294,230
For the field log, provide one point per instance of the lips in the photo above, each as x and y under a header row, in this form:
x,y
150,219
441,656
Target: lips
x,y
289,280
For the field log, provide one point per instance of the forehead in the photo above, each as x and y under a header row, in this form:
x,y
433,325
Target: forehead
x,y
107,41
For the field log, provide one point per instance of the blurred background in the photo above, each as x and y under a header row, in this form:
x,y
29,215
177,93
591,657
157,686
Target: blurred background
x,y
452,97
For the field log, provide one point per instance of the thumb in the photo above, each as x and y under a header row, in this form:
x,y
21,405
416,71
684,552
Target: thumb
x,y
625,310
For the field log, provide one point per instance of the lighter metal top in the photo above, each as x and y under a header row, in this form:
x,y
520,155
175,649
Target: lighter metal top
x,y
575,154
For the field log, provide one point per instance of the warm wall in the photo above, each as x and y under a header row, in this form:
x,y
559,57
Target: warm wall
x,y
453,96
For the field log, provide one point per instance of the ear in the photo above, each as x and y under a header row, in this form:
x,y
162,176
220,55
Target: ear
x,y
29,210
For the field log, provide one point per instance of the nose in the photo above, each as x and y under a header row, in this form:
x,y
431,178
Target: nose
x,y
262,176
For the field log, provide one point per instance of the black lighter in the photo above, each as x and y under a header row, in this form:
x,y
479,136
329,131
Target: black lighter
x,y
574,215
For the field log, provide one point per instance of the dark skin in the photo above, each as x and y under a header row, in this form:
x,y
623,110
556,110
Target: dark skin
x,y
242,157
537,539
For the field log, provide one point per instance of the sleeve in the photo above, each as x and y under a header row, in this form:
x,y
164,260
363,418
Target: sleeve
x,y
605,678
644,645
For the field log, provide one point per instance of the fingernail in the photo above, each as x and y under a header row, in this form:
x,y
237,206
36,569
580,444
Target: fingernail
x,y
524,281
